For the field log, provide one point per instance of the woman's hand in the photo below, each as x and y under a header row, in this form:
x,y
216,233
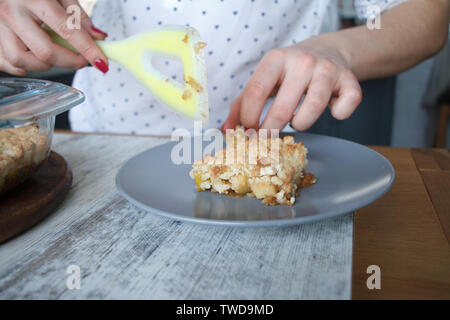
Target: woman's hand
x,y
24,46
310,68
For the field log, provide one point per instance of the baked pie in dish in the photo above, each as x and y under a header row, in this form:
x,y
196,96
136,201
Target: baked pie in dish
x,y
270,169
22,151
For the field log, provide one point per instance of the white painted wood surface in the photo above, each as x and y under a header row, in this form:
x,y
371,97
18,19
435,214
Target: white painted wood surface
x,y
126,253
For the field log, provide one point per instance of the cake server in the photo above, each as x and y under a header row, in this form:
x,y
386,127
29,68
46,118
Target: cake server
x,y
171,41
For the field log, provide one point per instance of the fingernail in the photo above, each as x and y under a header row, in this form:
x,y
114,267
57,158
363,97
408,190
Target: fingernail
x,y
101,65
99,31
251,133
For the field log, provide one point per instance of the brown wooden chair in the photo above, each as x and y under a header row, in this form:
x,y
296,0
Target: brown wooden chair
x,y
443,103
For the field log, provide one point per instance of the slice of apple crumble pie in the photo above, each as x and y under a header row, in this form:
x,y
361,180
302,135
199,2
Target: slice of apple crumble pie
x,y
271,169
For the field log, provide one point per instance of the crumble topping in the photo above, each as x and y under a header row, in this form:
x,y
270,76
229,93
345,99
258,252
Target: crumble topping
x,y
194,84
271,169
186,94
22,150
199,46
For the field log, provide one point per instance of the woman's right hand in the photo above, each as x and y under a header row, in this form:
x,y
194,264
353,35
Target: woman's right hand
x,y
25,46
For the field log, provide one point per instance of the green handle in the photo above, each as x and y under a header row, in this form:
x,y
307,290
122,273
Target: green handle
x,y
56,38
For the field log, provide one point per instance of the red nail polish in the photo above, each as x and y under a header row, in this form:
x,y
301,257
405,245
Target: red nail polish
x,y
99,31
101,65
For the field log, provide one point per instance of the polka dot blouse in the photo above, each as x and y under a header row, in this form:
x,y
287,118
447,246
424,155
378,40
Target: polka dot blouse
x,y
238,34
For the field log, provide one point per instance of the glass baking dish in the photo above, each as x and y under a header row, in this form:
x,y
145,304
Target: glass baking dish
x,y
27,119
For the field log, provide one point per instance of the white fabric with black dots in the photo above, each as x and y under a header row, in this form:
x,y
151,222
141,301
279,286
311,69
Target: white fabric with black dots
x,y
238,34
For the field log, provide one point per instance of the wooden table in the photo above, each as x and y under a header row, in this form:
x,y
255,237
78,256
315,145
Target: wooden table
x,y
124,252
407,232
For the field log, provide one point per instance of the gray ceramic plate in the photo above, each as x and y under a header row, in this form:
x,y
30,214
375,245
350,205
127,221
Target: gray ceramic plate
x,y
349,176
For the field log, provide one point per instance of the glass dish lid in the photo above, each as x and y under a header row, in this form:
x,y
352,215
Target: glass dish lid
x,y
24,100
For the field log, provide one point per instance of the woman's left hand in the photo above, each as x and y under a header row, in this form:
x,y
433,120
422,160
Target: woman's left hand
x,y
308,68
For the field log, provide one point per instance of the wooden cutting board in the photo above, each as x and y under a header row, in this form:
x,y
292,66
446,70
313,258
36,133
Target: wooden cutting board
x,y
36,198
